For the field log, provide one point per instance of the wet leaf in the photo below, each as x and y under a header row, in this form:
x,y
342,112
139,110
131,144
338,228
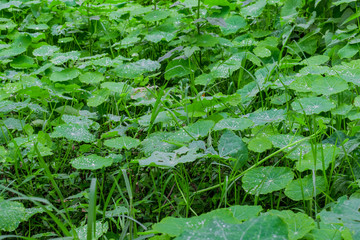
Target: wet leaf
x,y
239,124
312,105
122,142
304,189
263,180
74,133
11,215
91,162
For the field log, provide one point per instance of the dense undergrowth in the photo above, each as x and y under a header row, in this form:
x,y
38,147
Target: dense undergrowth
x,y
211,119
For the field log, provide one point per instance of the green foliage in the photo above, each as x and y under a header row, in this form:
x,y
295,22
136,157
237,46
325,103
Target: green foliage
x,y
192,116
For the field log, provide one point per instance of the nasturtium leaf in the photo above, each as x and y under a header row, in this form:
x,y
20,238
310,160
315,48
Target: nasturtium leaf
x,y
254,9
236,124
98,97
176,226
61,58
342,110
91,162
201,128
7,25
206,40
65,75
325,155
328,85
303,188
294,152
244,212
39,27
163,159
299,224
345,213
91,78
81,121
156,15
263,180
13,123
118,211
259,144
11,215
231,145
100,229
66,109
267,116
265,227
12,51
122,142
324,234
29,212
157,139
357,101
73,133
349,73
116,87
289,10
348,51
135,69
315,60
316,70
262,52
23,62
233,24
204,79
65,40
304,83
312,105
178,68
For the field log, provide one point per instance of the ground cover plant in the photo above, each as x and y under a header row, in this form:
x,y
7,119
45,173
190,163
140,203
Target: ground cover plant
x,y
190,119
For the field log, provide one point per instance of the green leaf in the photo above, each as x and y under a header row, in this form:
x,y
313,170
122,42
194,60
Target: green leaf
x,y
135,69
61,58
74,133
81,121
264,227
100,228
122,142
91,162
162,159
267,116
156,15
263,180
23,62
295,152
231,145
11,215
244,212
253,10
233,24
157,139
262,52
325,155
12,123
91,78
206,40
289,10
324,234
348,51
259,144
176,226
299,224
304,83
328,85
312,105
178,68
315,60
98,97
303,188
345,213
65,75
116,87
39,27
236,124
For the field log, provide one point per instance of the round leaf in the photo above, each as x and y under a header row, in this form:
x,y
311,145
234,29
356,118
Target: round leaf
x,y
11,215
156,15
91,78
122,142
312,105
73,133
236,124
263,180
65,75
303,188
91,162
328,85
259,144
